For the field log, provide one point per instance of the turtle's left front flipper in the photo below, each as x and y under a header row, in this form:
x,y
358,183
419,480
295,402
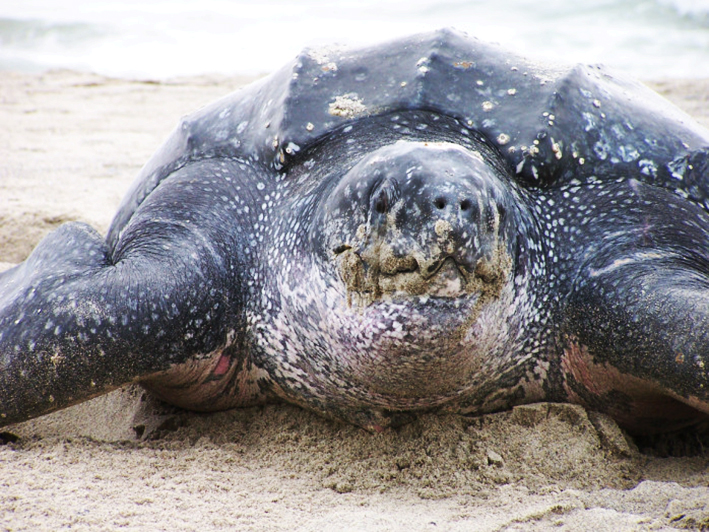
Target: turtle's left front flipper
x,y
635,335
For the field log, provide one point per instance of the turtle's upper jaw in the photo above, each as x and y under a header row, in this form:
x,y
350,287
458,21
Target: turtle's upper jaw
x,y
443,280
367,280
417,219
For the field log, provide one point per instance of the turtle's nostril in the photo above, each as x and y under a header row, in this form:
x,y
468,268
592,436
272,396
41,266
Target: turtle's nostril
x,y
440,203
341,249
465,205
381,205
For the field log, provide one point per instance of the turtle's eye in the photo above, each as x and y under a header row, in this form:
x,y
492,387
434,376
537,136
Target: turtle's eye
x,y
384,195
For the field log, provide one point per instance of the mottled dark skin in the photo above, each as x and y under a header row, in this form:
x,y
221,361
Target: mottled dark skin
x,y
429,224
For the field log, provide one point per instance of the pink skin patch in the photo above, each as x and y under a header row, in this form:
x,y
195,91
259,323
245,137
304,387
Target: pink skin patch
x,y
645,399
222,366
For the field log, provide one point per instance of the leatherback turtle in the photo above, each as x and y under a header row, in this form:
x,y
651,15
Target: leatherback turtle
x,y
428,224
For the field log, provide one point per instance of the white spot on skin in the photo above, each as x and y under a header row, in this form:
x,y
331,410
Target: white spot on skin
x,y
628,153
637,257
292,148
488,106
647,167
503,139
601,148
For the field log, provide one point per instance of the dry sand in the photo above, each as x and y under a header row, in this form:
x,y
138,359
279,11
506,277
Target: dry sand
x,y
70,145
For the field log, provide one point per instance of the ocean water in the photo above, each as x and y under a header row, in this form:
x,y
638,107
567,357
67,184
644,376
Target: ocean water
x,y
158,39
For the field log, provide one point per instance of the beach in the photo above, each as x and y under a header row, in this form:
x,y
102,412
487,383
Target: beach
x,y
70,145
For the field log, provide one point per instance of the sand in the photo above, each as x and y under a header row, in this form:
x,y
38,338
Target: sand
x,y
70,145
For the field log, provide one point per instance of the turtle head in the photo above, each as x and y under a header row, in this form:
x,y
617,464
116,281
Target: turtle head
x,y
410,297
418,219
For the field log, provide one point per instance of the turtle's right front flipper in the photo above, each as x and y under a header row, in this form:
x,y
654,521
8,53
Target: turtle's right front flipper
x,y
78,319
58,341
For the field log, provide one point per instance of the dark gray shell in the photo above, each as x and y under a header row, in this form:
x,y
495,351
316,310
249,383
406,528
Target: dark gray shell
x,y
551,124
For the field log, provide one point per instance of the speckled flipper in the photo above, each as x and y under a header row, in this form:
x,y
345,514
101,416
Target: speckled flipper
x,y
635,327
92,321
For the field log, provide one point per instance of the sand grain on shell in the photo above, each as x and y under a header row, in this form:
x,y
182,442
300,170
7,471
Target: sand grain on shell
x,y
75,144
